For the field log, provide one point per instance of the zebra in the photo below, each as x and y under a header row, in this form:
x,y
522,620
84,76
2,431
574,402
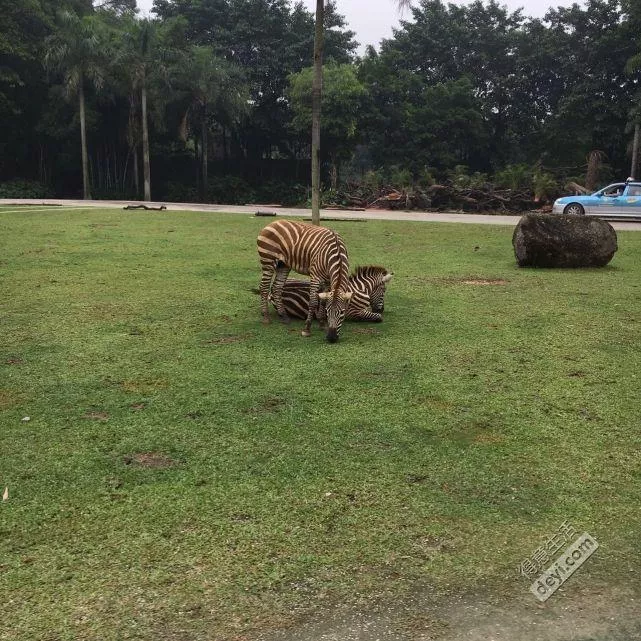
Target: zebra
x,y
307,249
367,285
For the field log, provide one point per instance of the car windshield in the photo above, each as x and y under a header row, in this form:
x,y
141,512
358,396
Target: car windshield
x,y
611,190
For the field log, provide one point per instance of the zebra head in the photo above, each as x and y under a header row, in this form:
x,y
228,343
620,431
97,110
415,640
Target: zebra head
x,y
371,280
377,297
335,307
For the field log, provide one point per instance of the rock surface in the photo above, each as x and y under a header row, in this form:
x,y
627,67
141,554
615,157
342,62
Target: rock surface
x,y
552,240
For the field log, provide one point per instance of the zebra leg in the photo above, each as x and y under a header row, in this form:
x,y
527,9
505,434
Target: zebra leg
x,y
313,306
365,315
282,271
321,315
265,282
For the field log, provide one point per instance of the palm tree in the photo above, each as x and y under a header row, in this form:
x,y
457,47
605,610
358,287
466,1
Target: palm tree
x,y
317,82
138,56
76,51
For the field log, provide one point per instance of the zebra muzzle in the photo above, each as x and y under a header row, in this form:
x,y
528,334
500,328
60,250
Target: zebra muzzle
x,y
332,335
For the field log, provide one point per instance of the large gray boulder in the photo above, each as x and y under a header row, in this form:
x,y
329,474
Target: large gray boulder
x,y
559,240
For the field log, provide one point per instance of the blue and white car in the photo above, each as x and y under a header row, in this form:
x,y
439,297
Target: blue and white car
x,y
618,200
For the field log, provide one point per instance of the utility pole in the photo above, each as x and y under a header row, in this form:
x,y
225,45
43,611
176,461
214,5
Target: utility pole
x,y
317,83
635,152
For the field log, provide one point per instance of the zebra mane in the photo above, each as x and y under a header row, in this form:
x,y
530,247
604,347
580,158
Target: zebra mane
x,y
339,280
364,271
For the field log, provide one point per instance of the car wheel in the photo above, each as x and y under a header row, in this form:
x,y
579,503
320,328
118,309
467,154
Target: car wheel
x,y
574,209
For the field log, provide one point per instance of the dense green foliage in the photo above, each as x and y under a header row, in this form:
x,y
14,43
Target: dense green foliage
x,y
457,85
508,88
187,473
342,101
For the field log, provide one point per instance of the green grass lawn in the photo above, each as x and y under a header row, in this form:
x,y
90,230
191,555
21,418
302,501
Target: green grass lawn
x,y
187,473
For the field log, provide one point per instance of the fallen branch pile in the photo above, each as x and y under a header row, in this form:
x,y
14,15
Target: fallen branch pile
x,y
435,198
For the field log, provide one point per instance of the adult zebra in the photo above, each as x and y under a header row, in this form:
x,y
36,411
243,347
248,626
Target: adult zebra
x,y
367,285
307,249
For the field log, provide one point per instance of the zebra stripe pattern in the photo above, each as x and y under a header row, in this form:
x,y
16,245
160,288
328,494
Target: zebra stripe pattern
x,y
367,285
320,253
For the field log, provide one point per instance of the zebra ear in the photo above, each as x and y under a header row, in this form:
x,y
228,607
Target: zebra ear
x,y
387,277
324,295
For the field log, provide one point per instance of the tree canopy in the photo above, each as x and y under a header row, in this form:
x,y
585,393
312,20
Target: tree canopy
x,y
227,86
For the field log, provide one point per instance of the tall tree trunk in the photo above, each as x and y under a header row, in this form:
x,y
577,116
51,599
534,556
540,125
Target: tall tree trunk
x,y
225,156
204,143
334,173
317,85
635,152
136,172
42,167
83,141
197,165
145,142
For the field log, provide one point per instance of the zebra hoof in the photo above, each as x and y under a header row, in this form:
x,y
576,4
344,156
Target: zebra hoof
x,y
265,320
306,333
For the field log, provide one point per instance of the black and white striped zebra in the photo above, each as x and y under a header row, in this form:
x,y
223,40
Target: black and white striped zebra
x,y
320,253
367,285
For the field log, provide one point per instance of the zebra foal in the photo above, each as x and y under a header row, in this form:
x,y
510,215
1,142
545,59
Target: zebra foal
x,y
367,285
318,252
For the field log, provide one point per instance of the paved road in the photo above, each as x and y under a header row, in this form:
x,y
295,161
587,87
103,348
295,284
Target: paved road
x,y
371,214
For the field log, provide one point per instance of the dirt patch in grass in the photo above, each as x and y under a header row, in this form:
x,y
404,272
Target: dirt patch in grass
x,y
8,399
241,517
475,432
13,360
227,340
364,330
96,416
39,250
483,281
154,460
107,311
487,438
597,613
268,405
461,280
136,407
428,546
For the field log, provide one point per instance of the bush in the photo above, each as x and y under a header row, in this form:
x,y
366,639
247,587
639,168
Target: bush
x,y
234,190
287,194
24,189
514,177
372,180
176,192
546,187
460,177
401,178
426,177
230,190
